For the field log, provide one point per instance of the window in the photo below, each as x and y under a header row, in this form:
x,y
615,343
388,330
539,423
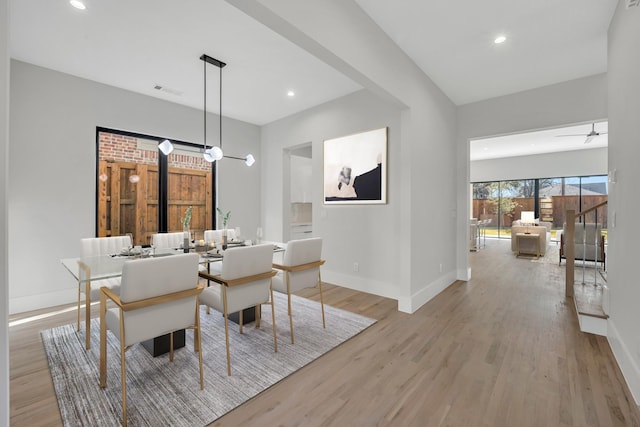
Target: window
x,y
141,191
549,198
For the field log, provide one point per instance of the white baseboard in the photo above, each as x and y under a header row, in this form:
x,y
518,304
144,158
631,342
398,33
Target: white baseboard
x,y
361,284
626,362
464,274
405,304
36,302
424,295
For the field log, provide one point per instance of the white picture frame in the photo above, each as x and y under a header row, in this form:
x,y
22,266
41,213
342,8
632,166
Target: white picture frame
x,y
355,168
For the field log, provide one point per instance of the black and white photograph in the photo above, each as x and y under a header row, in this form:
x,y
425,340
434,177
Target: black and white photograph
x,y
355,168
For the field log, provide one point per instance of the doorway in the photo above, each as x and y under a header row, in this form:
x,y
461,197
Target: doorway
x,y
297,192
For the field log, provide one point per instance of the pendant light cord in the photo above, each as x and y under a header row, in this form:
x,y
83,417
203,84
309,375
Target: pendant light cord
x,y
205,106
221,108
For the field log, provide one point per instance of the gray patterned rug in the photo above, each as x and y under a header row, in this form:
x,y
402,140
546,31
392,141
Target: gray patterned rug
x,y
164,393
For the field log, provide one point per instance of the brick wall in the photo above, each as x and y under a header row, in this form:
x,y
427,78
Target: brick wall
x,y
122,148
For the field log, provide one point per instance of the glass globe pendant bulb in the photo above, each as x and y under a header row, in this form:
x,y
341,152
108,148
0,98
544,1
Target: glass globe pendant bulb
x,y
212,154
77,4
166,147
216,152
249,160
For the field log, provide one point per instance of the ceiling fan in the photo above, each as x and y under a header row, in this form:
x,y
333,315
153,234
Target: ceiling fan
x,y
590,136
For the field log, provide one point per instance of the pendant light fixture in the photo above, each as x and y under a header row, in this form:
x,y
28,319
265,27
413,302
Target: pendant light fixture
x,y
215,152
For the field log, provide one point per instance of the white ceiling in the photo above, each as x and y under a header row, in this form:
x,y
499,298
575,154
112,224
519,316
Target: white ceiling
x,y
544,141
138,44
548,41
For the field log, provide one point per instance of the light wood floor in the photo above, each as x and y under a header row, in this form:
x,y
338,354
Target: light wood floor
x,y
503,349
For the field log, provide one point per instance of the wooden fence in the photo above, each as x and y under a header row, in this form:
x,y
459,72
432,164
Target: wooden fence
x,y
484,209
130,205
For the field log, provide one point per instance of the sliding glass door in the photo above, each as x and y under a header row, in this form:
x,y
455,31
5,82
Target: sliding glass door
x,y
549,198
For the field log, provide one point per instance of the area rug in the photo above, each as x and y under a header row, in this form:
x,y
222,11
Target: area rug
x,y
163,393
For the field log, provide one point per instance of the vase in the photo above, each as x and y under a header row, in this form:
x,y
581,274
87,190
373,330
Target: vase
x,y
187,240
224,238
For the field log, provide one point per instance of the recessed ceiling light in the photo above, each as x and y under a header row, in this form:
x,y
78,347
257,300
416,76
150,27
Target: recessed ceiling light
x,y
77,4
500,39
291,93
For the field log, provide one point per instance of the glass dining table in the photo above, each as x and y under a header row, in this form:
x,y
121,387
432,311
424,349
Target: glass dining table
x,y
90,269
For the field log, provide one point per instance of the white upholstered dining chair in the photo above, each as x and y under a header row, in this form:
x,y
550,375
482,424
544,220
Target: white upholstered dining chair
x,y
245,281
216,235
90,247
167,240
300,269
158,296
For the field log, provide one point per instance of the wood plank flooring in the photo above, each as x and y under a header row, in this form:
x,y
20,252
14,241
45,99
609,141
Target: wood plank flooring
x,y
503,349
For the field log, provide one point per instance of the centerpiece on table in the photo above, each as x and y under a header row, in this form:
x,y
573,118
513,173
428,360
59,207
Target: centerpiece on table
x,y
186,222
225,220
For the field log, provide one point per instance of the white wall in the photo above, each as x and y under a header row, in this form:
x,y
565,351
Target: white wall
x,y
351,233
420,221
547,165
577,101
624,203
53,167
4,247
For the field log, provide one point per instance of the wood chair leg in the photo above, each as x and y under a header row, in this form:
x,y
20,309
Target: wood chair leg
x,y
196,337
321,299
241,320
103,341
171,347
197,343
289,308
208,284
87,315
79,294
226,335
123,373
226,328
290,318
273,319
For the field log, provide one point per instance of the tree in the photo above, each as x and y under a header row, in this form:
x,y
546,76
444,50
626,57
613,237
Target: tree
x,y
505,205
497,196
481,190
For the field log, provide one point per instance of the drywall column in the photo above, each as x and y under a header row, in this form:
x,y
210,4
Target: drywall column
x,y
4,166
341,34
624,205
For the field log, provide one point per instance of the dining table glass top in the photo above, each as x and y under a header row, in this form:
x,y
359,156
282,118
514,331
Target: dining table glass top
x,y
108,266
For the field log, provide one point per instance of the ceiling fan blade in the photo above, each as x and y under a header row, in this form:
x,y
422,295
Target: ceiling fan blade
x,y
590,138
582,134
